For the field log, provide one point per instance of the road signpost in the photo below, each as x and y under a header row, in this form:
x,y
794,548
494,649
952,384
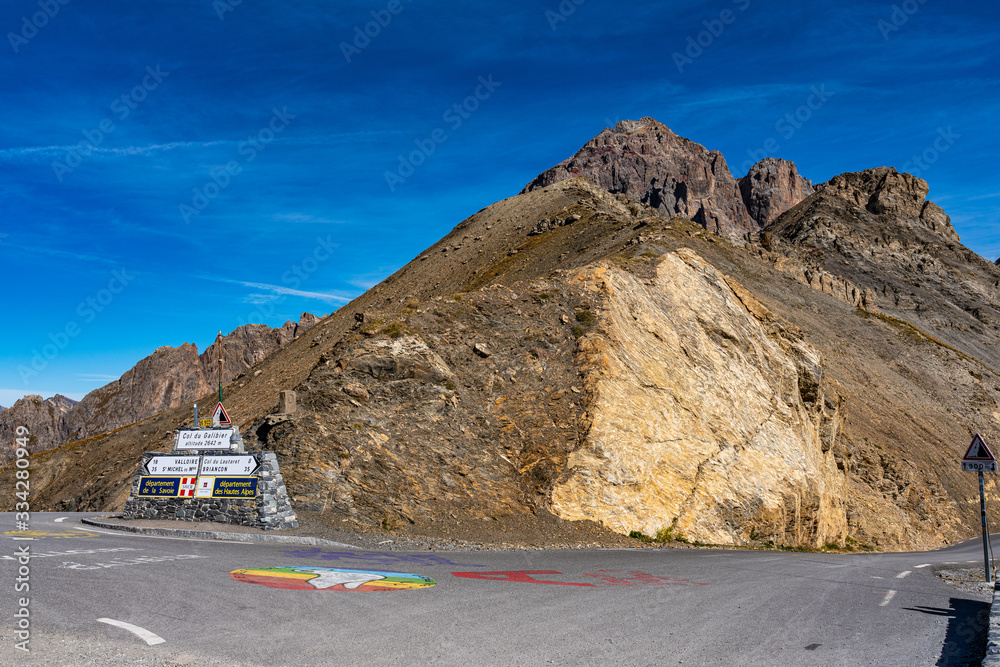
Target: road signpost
x,y
173,465
978,457
229,466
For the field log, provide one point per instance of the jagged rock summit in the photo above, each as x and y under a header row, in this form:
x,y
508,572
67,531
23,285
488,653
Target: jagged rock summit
x,y
771,187
902,197
651,164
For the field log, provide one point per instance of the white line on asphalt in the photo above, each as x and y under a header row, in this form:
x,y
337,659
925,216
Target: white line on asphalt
x,y
917,567
61,519
888,596
142,633
903,574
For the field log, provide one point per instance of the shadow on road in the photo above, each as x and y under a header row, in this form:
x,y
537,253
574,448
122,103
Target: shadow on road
x,y
965,639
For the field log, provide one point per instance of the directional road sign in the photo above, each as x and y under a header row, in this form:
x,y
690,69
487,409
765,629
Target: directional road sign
x,y
229,466
173,465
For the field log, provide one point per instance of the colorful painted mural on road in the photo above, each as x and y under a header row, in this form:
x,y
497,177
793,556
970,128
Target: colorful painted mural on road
x,y
331,579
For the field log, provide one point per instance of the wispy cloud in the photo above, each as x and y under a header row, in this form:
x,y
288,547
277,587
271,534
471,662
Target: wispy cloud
x,y
258,299
282,290
278,289
97,378
306,218
44,153
65,254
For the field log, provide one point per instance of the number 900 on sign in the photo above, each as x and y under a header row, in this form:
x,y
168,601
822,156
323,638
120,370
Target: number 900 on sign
x,y
980,466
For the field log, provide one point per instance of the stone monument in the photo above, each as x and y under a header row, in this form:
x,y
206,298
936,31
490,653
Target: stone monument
x,y
209,476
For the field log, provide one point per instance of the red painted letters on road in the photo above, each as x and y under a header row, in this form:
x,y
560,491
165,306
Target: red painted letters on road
x,y
519,576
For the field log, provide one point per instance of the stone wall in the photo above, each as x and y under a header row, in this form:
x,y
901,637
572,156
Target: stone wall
x,y
270,510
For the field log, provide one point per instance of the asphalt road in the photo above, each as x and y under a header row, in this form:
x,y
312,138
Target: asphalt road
x,y
594,607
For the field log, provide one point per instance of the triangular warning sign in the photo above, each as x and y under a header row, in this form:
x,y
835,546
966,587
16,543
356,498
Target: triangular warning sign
x,y
221,418
977,451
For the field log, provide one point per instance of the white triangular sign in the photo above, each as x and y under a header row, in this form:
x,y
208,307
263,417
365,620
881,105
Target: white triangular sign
x,y
219,417
977,451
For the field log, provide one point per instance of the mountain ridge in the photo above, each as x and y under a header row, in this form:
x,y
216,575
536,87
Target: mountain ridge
x,y
166,378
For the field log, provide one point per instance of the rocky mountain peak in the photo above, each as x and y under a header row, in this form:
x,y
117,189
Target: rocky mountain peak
x,y
61,403
887,192
649,163
643,123
771,187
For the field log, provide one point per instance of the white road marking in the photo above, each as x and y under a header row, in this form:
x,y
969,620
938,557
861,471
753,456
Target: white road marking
x,y
903,574
61,519
888,597
141,633
874,577
917,567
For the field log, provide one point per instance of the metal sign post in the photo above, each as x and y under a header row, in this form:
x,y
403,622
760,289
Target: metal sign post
x,y
978,457
986,533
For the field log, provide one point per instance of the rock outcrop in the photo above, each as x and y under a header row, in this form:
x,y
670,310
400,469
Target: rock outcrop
x,y
646,161
872,239
771,187
250,344
900,196
45,420
675,176
708,417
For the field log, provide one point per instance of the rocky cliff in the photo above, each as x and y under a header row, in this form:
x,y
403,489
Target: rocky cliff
x,y
572,356
874,240
709,417
675,176
771,187
165,379
46,420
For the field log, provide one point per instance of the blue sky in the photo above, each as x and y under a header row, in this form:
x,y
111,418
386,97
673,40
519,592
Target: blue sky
x,y
169,169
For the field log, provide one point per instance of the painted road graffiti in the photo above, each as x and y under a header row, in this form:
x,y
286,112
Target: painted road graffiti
x,y
42,534
118,562
70,552
331,579
373,557
604,577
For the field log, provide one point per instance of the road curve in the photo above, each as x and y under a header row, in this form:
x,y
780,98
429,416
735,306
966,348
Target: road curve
x,y
227,603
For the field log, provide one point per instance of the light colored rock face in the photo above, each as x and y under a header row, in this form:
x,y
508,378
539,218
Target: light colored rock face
x,y
707,415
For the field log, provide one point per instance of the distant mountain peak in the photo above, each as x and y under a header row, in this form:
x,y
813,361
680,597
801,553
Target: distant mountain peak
x,y
651,164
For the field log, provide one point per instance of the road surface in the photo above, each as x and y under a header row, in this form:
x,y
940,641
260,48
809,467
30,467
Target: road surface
x,y
105,597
